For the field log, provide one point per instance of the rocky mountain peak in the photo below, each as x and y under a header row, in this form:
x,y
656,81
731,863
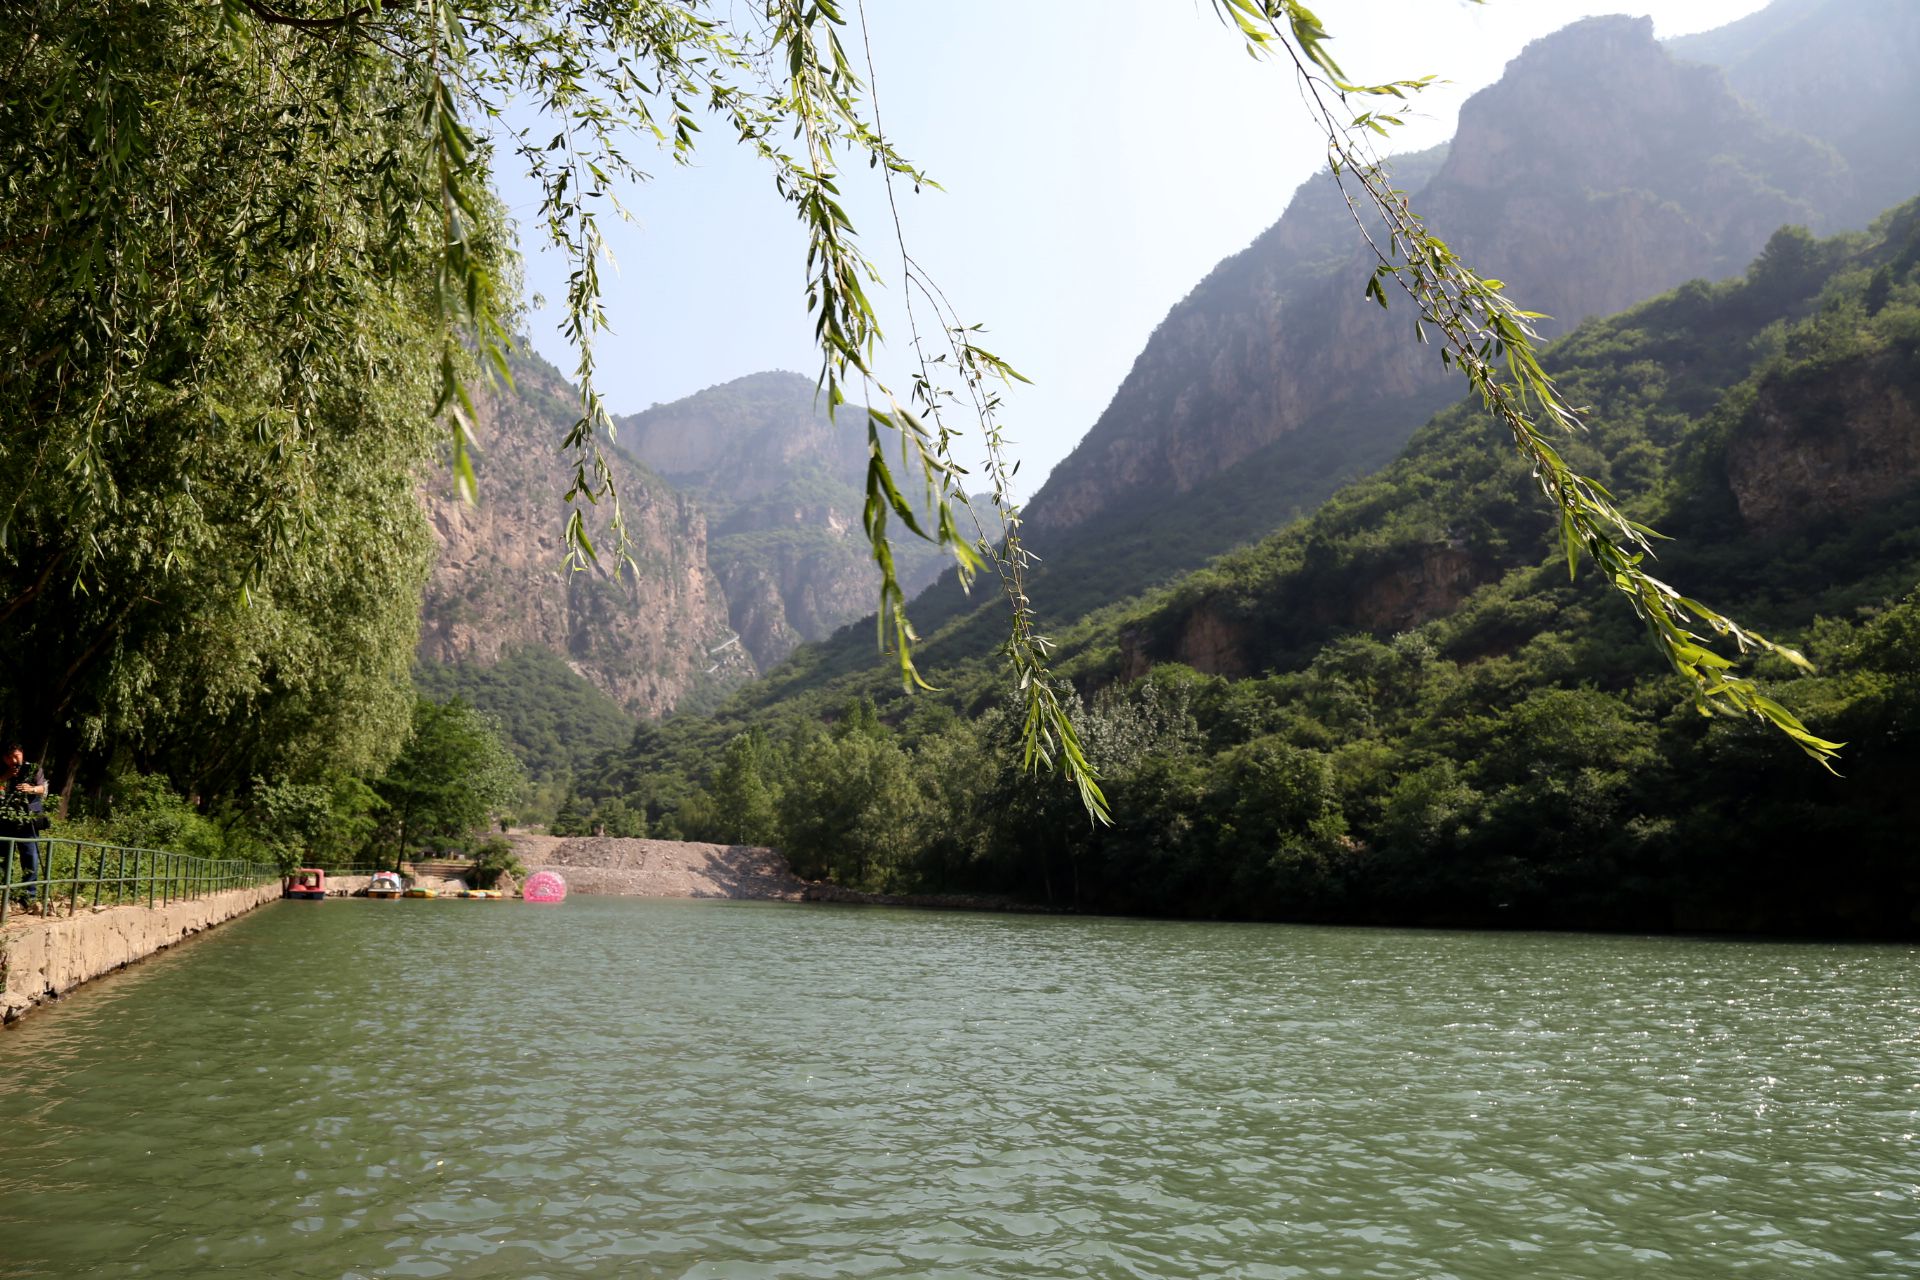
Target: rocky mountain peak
x,y
783,486
1599,170
500,581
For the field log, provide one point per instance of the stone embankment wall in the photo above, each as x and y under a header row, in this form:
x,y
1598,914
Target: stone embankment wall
x,y
42,959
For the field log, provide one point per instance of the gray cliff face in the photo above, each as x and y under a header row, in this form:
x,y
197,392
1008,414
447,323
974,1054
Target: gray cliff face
x,y
1838,70
500,580
1598,171
744,438
783,488
1231,368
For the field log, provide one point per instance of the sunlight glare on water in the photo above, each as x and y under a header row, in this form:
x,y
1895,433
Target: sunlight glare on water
x,y
643,1088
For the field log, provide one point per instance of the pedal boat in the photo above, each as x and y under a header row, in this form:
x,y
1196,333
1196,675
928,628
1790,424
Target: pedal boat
x,y
309,884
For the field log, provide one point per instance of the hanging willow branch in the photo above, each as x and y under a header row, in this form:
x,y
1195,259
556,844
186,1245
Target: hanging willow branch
x,y
1049,740
1494,344
605,72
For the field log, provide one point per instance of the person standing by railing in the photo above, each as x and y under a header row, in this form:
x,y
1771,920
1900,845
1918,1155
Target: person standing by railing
x,y
23,794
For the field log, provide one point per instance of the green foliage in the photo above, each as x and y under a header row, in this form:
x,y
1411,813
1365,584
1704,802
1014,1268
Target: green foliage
x,y
492,859
452,777
849,809
554,720
1505,751
743,802
218,342
143,812
574,817
313,824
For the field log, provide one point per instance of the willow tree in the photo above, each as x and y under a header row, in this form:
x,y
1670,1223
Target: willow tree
x,y
338,155
220,315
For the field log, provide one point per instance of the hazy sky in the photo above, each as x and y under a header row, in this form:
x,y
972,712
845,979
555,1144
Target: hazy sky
x,y
1099,157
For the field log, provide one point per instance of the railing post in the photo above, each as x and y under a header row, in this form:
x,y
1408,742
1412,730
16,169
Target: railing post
x,y
166,876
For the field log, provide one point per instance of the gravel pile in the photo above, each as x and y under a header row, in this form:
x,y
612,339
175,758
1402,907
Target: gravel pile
x,y
662,868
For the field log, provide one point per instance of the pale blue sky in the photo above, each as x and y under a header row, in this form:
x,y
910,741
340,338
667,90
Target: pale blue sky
x,y
1099,157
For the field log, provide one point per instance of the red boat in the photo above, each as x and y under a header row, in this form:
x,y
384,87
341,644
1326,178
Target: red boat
x,y
309,883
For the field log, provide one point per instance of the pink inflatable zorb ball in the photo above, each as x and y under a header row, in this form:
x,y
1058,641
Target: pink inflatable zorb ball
x,y
544,886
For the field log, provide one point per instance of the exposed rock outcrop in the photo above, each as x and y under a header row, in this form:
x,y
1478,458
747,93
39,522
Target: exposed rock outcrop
x,y
783,486
1433,581
500,580
1598,171
1397,592
1829,444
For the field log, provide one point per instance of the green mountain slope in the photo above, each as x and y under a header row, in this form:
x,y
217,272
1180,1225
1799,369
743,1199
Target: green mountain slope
x,y
1600,170
1402,709
555,720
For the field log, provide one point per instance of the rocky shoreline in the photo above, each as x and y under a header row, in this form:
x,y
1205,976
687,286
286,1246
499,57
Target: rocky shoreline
x,y
616,865
620,866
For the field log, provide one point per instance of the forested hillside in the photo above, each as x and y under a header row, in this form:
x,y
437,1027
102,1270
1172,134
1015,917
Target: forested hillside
x,y
554,719
1601,169
1402,709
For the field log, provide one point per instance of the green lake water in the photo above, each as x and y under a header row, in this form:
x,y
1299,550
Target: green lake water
x,y
638,1088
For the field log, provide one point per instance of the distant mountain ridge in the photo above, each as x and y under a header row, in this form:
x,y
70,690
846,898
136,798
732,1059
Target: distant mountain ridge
x,y
1838,70
783,487
1600,170
500,582
743,505
1403,710
1597,171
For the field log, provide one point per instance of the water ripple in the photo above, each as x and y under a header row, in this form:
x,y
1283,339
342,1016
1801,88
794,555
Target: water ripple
x,y
628,1088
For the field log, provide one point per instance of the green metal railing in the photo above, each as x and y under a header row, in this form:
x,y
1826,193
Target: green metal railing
x,y
76,873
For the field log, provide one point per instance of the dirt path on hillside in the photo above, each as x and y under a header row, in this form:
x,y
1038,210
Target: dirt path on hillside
x,y
661,868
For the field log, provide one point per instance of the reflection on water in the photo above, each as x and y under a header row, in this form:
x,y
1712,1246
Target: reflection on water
x,y
632,1088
